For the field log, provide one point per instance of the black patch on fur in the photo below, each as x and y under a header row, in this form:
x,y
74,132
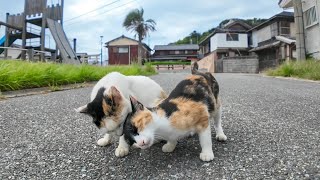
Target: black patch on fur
x,y
95,109
168,107
129,130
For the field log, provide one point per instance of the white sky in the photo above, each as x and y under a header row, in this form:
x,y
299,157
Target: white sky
x,y
175,18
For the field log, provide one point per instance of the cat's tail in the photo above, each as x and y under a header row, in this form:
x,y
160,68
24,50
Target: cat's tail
x,y
194,68
212,82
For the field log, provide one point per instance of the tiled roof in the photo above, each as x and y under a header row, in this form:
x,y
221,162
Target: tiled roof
x,y
284,14
177,47
123,36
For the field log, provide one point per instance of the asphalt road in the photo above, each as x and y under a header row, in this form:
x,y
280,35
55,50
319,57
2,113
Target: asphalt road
x,y
272,125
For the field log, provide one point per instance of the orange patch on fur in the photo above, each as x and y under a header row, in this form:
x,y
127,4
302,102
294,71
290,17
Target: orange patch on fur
x,y
191,115
142,119
106,107
162,97
116,114
161,112
194,78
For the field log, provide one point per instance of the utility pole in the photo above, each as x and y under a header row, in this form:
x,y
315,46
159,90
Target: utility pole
x,y
101,50
298,18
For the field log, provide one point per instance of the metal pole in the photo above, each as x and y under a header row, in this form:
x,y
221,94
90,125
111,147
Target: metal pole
x,y
101,50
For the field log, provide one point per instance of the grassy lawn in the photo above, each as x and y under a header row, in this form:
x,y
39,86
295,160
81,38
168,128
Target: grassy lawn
x,y
16,75
169,63
309,69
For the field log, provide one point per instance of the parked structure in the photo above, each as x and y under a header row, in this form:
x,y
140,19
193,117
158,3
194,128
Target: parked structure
x,y
227,41
309,26
38,16
124,50
175,52
274,40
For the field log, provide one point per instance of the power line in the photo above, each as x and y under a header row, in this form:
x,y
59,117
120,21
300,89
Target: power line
x,y
103,12
101,7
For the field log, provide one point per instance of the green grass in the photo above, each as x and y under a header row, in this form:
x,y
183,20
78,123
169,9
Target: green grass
x,y
309,69
170,63
16,75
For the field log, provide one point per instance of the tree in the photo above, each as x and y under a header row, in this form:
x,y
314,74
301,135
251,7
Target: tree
x,y
135,22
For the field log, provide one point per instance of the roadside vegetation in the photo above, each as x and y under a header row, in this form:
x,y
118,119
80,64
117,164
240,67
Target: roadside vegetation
x,y
309,69
16,75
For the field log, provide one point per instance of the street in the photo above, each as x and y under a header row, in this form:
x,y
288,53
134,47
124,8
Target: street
x,y
272,125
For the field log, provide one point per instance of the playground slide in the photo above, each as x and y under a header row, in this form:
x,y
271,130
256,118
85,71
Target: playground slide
x,y
3,40
67,53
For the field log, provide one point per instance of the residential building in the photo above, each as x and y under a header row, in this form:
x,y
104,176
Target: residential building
x,y
124,51
310,26
227,41
274,40
175,52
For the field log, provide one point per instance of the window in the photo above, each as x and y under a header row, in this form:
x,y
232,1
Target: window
x,y
232,37
176,52
123,50
310,17
274,29
284,28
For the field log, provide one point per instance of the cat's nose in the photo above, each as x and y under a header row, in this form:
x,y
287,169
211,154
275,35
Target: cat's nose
x,y
143,142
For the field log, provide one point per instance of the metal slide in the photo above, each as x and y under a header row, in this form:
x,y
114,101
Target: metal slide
x,y
67,53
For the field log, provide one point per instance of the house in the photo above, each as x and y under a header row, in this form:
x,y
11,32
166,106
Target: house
x,y
310,28
175,52
124,51
274,40
227,41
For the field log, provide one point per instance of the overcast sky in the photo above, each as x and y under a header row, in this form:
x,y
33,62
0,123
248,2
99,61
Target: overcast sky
x,y
175,18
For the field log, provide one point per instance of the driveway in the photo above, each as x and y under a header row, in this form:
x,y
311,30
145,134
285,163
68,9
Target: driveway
x,y
272,125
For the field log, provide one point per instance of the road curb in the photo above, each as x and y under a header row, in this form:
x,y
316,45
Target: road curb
x,y
43,90
291,78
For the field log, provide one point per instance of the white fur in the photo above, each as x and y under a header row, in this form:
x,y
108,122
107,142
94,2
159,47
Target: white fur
x,y
143,88
160,128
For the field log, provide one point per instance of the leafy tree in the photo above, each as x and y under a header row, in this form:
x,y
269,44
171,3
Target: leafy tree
x,y
135,22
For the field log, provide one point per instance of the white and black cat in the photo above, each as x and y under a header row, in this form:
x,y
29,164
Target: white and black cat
x,y
190,108
110,103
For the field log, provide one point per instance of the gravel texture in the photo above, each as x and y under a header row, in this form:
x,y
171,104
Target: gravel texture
x,y
272,125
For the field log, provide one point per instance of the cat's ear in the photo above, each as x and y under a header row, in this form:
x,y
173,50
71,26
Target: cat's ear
x,y
135,104
116,96
82,109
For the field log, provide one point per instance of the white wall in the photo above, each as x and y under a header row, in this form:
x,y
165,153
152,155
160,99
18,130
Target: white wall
x,y
219,40
312,34
261,35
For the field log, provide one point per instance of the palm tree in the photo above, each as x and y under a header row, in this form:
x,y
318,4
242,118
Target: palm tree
x,y
135,22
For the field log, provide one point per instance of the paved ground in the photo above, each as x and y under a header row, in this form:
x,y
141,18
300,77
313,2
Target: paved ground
x,y
273,127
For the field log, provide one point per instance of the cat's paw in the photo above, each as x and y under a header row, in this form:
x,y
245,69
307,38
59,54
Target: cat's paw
x,y
221,137
206,156
168,147
104,141
122,151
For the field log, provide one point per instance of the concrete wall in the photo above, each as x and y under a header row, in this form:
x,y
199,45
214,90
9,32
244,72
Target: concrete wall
x,y
241,65
312,33
207,63
265,34
261,35
219,40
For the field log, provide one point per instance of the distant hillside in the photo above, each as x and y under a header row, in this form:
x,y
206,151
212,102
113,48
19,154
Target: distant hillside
x,y
196,37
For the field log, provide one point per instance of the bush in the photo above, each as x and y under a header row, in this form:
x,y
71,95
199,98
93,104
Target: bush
x,y
15,75
309,69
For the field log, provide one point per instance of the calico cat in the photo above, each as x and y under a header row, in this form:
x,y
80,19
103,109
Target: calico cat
x,y
189,109
110,104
